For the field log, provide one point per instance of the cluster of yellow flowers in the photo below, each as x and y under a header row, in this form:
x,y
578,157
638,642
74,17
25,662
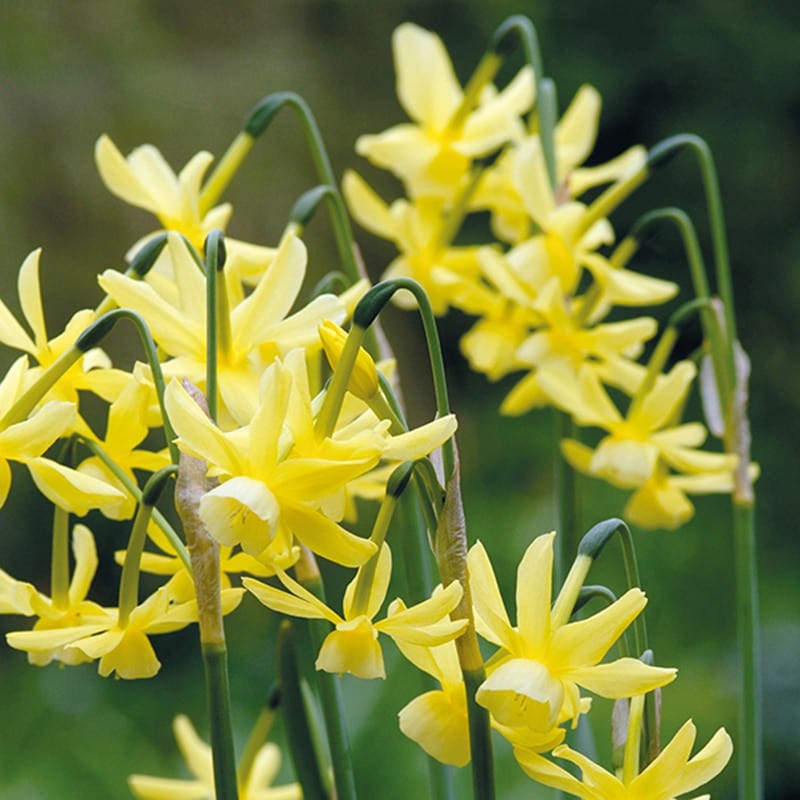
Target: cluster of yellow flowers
x,y
285,453
543,291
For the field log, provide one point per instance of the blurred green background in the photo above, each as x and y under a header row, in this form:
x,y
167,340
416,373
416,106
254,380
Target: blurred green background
x,y
182,75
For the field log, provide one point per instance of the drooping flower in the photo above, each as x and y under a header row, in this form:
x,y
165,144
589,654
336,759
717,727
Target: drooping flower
x,y
671,774
353,645
256,784
533,681
433,153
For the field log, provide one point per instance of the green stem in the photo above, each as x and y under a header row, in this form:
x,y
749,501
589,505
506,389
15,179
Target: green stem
x,y
547,112
330,693
370,306
487,68
748,630
260,118
259,735
129,583
567,495
518,30
218,329
180,549
215,661
59,569
224,171
480,737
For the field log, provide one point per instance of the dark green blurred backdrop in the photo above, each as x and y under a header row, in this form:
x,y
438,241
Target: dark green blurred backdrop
x,y
182,75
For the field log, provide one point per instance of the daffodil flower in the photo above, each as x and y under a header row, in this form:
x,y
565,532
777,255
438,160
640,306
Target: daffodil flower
x,y
510,199
145,180
259,326
276,473
564,345
647,449
125,649
77,615
256,784
353,645
533,680
671,774
432,154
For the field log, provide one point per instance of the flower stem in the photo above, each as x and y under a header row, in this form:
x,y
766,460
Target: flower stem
x,y
260,118
296,720
59,569
567,496
259,734
218,327
330,689
748,631
224,171
215,661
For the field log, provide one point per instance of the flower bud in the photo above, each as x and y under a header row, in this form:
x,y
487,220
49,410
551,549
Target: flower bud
x,y
363,382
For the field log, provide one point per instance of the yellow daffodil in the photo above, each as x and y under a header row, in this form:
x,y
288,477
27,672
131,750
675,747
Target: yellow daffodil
x,y
256,784
564,345
433,153
259,328
277,472
533,681
124,647
502,191
353,646
647,449
73,613
145,180
671,774
417,230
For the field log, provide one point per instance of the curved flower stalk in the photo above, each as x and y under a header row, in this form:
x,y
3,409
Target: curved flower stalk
x,y
647,450
534,679
450,128
255,784
353,646
671,774
259,328
75,613
145,180
276,472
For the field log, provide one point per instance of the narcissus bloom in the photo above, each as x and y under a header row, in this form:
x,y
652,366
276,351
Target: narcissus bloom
x,y
277,473
671,774
73,612
647,449
353,646
418,230
533,681
255,785
145,180
432,154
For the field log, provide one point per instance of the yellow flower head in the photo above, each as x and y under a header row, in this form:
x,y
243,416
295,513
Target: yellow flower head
x,y
432,154
353,645
534,678
671,774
